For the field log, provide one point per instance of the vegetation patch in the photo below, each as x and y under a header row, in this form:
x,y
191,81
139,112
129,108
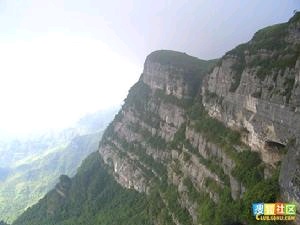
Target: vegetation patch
x,y
182,61
156,141
171,99
212,185
172,197
178,138
248,169
212,164
139,96
214,130
270,38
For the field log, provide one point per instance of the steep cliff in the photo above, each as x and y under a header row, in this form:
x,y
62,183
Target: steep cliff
x,y
231,130
202,140
164,139
255,90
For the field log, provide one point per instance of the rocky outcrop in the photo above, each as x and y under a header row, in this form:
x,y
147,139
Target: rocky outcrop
x,y
209,150
262,101
136,145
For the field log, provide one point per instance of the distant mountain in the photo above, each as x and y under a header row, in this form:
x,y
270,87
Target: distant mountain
x,y
30,167
4,172
14,151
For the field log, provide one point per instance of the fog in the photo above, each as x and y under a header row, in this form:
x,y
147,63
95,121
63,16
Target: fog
x,y
63,59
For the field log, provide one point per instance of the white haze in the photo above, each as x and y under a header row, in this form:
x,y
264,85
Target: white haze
x,y
50,81
60,59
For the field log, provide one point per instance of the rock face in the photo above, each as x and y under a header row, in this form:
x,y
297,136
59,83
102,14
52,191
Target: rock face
x,y
198,124
137,144
263,101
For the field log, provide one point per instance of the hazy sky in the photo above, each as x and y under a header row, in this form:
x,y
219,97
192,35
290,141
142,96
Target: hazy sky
x,y
62,59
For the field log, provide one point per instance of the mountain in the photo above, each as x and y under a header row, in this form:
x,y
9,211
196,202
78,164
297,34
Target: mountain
x,y
196,142
32,166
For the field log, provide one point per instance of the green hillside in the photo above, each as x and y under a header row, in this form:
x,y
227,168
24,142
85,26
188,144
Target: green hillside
x,y
91,197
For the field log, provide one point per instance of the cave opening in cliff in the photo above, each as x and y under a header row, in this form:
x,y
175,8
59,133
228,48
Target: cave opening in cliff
x,y
274,145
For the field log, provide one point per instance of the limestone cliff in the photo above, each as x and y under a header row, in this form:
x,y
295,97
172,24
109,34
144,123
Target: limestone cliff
x,y
208,127
255,90
139,144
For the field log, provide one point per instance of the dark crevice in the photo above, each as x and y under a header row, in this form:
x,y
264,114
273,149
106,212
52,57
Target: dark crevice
x,y
274,145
